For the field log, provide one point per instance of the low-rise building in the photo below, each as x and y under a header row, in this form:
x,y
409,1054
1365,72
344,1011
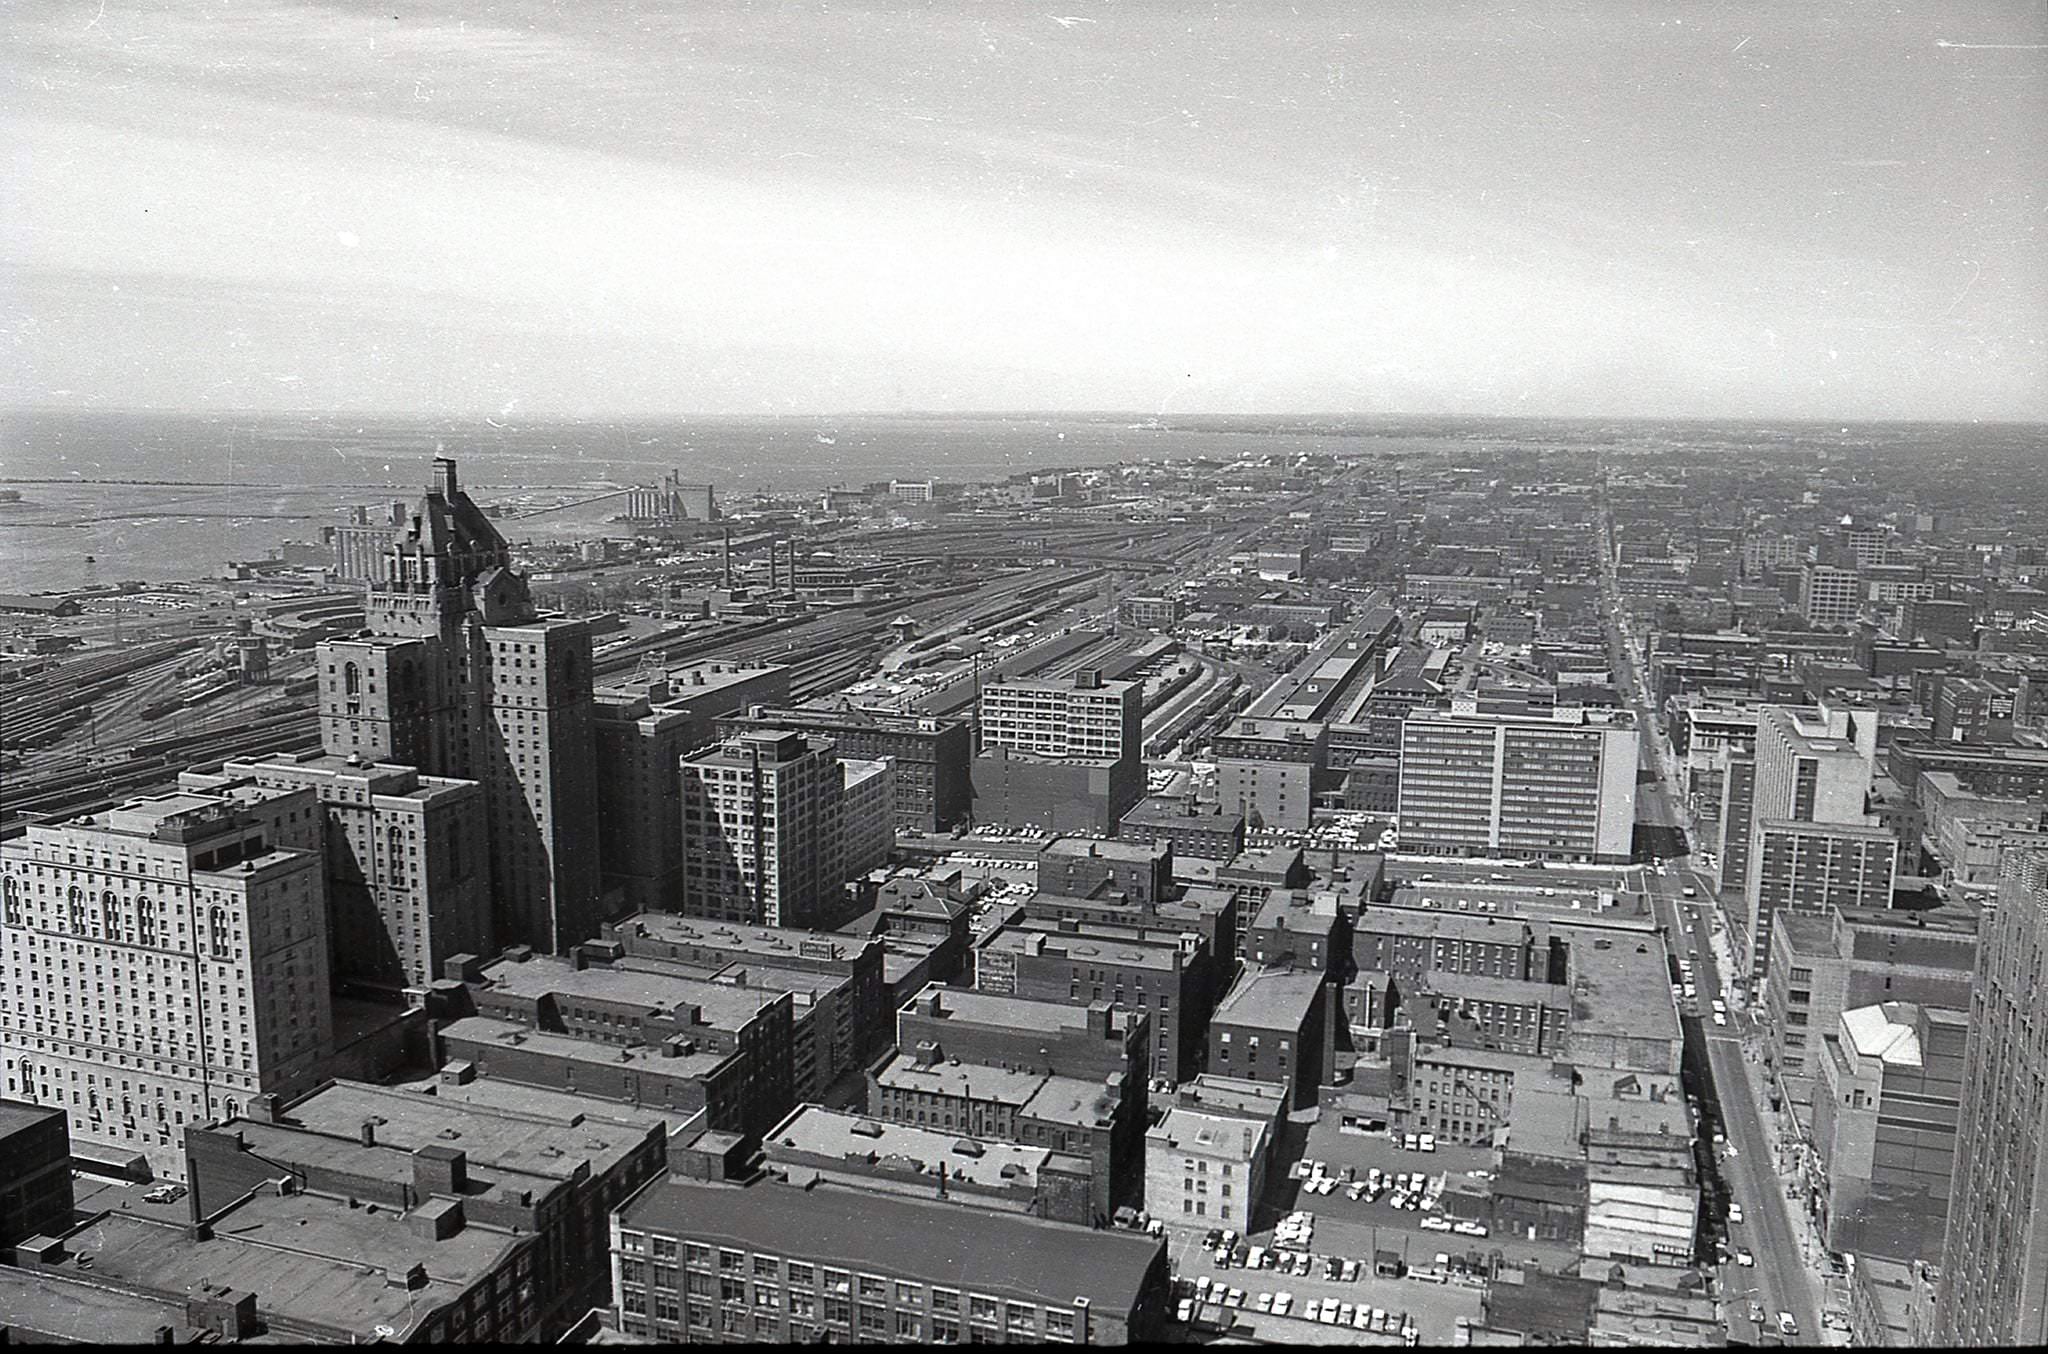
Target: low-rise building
x,y
35,1172
444,1165
1206,831
1213,1148
776,1263
309,1268
910,1160
1274,1026
1162,970
1142,872
1100,1119
1822,966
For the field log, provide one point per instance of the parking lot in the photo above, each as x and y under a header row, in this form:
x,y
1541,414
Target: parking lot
x,y
1432,1309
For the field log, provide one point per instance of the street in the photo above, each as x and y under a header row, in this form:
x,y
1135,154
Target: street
x,y
1723,1078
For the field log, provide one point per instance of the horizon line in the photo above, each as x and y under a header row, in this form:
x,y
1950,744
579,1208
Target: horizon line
x,y
1164,422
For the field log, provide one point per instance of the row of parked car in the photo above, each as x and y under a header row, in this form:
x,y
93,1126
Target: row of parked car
x,y
1323,1311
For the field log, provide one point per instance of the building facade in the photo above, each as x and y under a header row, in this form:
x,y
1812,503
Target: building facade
x,y
764,832
461,676
1559,788
1994,1256
408,863
214,944
705,1263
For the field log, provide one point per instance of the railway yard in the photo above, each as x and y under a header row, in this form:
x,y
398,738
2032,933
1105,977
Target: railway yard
x,y
145,683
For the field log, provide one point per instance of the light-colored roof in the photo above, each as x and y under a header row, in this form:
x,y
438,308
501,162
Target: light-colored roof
x,y
1886,1032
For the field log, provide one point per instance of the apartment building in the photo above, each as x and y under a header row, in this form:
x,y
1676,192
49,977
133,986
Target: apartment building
x,y
933,786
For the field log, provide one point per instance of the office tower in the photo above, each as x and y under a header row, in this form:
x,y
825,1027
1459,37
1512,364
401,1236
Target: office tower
x,y
1810,867
1556,788
1065,755
1267,770
1994,1258
408,864
932,786
165,961
1813,767
764,832
1884,1126
459,675
1828,595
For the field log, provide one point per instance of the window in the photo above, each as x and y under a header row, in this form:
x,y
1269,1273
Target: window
x,y
1059,1325
732,1262
767,1267
945,1331
838,1281
874,1319
665,1248
873,1286
945,1300
909,1325
801,1273
1023,1318
802,1305
982,1309
909,1294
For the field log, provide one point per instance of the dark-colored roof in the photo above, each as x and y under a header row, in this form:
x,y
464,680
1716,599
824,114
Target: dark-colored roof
x,y
1549,1308
930,1240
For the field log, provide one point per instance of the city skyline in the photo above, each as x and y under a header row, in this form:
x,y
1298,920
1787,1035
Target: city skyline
x,y
1596,210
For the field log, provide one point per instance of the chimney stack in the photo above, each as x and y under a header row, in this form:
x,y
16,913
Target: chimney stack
x,y
444,477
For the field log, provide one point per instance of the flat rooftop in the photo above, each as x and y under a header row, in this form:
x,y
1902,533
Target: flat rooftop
x,y
69,1309
670,928
836,1135
970,1006
1142,853
1273,999
305,1257
486,1031
724,1005
1219,1134
527,1140
1063,1100
1006,1254
1622,990
1123,951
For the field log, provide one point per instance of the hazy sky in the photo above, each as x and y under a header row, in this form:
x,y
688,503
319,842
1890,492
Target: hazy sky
x,y
1784,209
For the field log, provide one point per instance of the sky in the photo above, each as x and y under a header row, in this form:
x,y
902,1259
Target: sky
x,y
1739,210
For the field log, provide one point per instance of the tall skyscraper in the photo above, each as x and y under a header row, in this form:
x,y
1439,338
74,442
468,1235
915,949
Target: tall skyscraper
x,y
164,961
1813,767
459,675
1994,1258
1557,787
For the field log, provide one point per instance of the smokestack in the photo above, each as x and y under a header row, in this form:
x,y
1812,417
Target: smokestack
x,y
728,559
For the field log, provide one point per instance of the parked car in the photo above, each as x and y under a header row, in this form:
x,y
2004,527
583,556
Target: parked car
x,y
1787,1327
